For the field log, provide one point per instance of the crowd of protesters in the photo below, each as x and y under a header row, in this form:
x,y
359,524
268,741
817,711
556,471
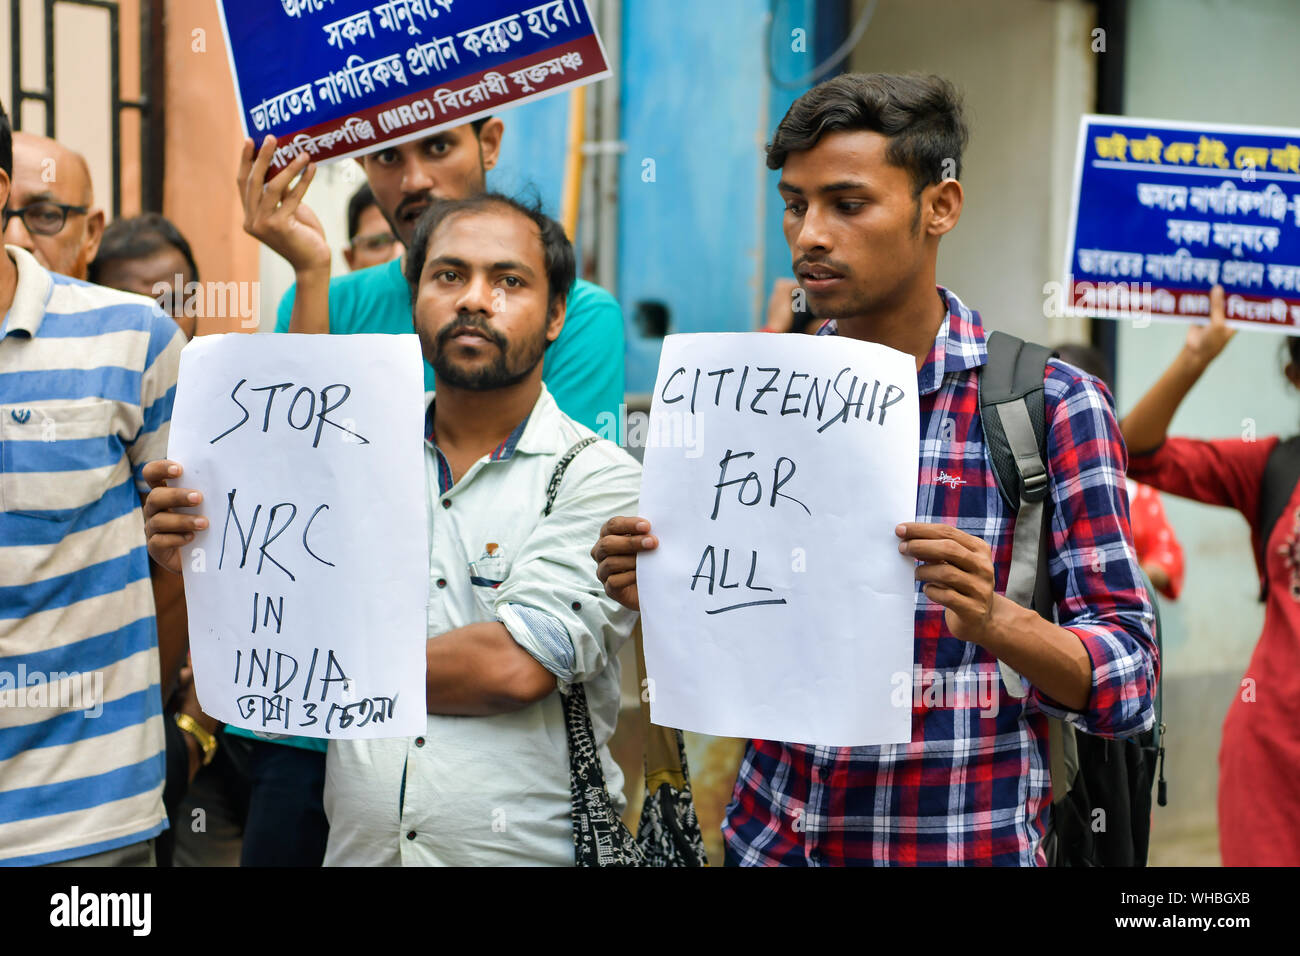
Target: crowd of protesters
x,y
522,360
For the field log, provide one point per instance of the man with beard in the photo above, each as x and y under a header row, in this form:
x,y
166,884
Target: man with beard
x,y
584,370
515,614
869,166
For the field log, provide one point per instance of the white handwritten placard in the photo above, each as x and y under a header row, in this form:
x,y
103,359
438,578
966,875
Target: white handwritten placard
x,y
307,593
777,605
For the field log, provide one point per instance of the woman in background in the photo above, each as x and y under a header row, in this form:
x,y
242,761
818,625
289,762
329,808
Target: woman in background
x,y
1259,756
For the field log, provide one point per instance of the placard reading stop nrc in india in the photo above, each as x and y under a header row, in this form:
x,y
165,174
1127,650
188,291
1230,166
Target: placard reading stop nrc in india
x,y
777,605
307,593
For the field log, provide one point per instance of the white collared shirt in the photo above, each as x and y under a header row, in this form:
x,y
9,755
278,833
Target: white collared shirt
x,y
476,791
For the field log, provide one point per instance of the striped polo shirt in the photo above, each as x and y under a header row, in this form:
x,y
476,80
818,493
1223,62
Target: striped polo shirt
x,y
87,378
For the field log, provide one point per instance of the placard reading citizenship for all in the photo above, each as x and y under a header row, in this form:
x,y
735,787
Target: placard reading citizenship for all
x,y
1163,211
777,604
338,78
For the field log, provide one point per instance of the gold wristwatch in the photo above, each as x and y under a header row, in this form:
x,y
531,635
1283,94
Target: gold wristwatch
x,y
207,742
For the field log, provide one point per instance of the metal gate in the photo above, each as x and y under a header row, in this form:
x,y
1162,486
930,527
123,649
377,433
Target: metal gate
x,y
142,33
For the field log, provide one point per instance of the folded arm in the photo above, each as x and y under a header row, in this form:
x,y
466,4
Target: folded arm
x,y
479,670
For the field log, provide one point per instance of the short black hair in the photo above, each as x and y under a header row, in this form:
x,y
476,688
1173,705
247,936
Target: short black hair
x,y
1293,348
478,124
136,237
921,114
557,251
6,143
361,200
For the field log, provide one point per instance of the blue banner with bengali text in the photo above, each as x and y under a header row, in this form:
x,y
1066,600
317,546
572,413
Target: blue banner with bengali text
x,y
1163,211
336,78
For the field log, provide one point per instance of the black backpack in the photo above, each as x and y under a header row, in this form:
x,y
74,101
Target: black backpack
x,y
1281,473
1101,788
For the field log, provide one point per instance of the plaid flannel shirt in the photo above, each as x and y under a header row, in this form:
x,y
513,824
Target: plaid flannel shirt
x,y
973,786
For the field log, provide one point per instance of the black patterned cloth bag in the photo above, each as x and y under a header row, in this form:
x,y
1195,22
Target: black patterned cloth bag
x,y
668,833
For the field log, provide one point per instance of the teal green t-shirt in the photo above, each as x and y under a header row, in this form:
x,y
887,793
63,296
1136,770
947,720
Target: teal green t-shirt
x,y
583,368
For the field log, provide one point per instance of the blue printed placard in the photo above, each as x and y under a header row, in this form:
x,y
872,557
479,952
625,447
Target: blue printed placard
x,y
1163,211
335,78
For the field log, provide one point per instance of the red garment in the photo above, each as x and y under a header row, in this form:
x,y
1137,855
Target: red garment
x,y
1259,756
1153,537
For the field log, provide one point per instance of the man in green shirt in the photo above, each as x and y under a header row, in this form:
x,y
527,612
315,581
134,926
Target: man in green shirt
x,y
583,369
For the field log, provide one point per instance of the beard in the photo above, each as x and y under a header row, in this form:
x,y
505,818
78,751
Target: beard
x,y
400,222
844,306
509,366
403,225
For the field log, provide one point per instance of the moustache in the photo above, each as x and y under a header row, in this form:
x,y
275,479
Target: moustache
x,y
405,206
831,264
474,322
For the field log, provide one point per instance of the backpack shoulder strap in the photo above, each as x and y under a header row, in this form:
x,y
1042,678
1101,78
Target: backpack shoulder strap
x,y
1159,734
1280,476
1012,409
1014,418
1013,413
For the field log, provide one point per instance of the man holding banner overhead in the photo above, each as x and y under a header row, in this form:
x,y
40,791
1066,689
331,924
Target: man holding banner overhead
x,y
869,167
412,92
584,369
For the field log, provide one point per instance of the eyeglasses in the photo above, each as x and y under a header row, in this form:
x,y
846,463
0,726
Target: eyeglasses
x,y
44,218
375,242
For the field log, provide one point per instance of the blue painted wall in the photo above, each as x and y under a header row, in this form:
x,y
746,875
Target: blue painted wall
x,y
825,26
704,236
699,215
532,150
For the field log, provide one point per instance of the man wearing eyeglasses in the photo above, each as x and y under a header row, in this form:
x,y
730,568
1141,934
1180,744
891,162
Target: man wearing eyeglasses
x,y
51,214
87,376
371,241
51,211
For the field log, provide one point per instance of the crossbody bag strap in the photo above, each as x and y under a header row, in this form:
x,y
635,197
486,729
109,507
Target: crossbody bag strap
x,y
561,466
600,838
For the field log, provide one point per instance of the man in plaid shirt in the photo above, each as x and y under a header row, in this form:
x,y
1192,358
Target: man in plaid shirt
x,y
869,177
